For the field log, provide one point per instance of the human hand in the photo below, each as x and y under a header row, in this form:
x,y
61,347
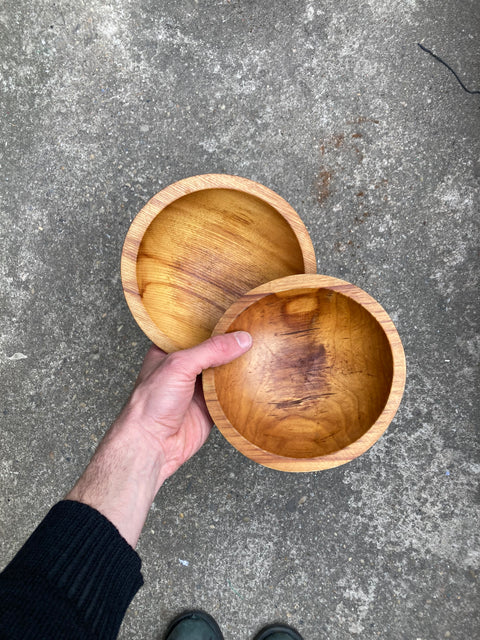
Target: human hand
x,y
164,422
167,405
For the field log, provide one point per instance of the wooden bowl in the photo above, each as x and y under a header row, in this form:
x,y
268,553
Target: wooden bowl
x,y
202,243
322,381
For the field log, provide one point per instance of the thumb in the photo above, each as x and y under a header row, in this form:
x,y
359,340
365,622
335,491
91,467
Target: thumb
x,y
213,352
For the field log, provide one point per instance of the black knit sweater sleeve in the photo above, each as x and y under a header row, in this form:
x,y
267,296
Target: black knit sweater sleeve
x,y
73,579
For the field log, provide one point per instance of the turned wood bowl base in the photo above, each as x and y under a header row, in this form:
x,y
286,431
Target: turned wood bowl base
x,y
323,378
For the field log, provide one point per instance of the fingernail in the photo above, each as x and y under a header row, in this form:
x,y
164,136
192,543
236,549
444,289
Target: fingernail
x,y
244,339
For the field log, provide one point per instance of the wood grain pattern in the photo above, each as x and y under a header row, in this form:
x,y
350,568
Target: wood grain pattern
x,y
202,243
322,381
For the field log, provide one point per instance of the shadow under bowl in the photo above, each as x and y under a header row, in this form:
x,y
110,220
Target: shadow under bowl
x,y
322,381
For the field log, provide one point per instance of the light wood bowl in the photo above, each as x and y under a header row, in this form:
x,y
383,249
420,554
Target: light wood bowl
x,y
202,243
322,381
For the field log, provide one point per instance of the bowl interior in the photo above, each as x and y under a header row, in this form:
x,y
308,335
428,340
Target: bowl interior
x,y
205,250
317,377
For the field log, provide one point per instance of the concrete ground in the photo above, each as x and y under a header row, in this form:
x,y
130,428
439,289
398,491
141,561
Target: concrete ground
x,y
375,144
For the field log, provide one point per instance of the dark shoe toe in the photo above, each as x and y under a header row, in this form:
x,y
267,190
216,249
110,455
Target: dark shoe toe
x,y
278,632
193,625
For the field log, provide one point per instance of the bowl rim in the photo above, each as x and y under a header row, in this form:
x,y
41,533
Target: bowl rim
x,y
359,446
165,197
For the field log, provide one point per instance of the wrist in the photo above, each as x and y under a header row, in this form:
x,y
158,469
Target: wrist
x,y
132,431
122,478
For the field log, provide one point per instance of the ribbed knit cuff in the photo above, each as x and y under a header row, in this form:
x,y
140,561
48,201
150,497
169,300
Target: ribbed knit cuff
x,y
81,554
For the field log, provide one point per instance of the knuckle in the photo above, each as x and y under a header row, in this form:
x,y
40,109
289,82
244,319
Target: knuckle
x,y
174,362
219,344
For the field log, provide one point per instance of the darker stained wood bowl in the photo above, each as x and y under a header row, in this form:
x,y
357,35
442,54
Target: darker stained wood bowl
x,y
322,381
202,243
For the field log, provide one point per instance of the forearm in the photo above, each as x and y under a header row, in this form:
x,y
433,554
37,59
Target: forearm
x,y
122,478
